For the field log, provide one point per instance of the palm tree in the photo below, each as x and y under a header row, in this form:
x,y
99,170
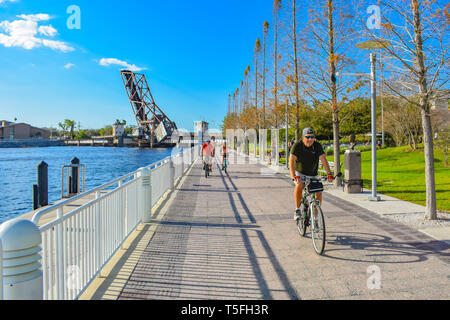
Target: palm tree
x,y
266,30
276,6
257,52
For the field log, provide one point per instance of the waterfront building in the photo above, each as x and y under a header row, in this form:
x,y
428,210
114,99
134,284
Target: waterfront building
x,y
14,131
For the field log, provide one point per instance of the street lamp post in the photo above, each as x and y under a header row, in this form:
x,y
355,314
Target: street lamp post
x,y
372,45
373,99
287,134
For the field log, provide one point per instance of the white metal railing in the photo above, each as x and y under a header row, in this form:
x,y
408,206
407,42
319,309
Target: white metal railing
x,y
1,270
76,245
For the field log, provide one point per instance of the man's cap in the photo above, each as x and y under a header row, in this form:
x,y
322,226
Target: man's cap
x,y
307,131
207,140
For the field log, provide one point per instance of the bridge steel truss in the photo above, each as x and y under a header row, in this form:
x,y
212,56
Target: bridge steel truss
x,y
148,114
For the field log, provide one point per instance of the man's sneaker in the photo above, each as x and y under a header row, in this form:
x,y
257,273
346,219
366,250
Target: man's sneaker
x,y
297,214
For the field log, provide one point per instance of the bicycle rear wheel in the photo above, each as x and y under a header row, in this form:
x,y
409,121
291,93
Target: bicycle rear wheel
x,y
318,234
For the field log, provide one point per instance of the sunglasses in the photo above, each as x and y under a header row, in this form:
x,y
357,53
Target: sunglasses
x,y
309,137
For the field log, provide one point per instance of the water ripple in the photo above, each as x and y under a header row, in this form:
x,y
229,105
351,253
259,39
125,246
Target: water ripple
x,y
18,167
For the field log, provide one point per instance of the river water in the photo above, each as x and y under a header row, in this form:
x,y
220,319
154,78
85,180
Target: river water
x,y
18,171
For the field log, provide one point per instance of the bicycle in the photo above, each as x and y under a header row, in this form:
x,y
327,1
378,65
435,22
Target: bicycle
x,y
309,205
207,169
225,165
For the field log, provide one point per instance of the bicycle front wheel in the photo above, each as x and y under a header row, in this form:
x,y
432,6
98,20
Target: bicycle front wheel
x,y
301,225
318,234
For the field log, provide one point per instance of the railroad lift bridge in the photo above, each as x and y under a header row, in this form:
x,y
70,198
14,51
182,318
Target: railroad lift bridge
x,y
155,127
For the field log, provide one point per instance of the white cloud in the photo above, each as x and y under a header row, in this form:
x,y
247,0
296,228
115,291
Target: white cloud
x,y
112,61
23,33
35,17
3,1
48,31
69,65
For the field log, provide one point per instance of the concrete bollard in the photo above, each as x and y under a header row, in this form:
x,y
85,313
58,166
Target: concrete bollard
x,y
21,268
146,194
352,176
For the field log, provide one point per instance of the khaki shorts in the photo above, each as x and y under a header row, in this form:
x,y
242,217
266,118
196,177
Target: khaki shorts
x,y
299,174
207,158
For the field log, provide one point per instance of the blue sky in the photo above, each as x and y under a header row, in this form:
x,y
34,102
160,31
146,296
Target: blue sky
x,y
193,54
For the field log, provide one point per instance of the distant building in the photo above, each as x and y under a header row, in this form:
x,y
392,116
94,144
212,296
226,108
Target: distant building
x,y
118,130
13,131
201,129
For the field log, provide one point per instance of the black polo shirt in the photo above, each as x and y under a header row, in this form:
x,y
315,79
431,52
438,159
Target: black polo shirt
x,y
307,158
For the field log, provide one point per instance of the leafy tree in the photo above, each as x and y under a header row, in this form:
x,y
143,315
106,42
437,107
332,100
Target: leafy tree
x,y
82,134
106,131
414,37
356,117
68,127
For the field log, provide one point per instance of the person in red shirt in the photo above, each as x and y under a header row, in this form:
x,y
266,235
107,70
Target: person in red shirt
x,y
224,154
207,152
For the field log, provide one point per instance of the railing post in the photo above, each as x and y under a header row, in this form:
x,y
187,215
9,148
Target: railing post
x,y
182,162
22,277
60,254
172,173
98,232
146,194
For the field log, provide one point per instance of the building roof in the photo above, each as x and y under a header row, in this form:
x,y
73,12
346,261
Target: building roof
x,y
12,124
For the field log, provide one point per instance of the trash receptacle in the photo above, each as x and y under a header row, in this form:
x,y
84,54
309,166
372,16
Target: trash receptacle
x,y
352,177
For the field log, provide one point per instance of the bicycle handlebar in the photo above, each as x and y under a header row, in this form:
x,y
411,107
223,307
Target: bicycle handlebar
x,y
307,179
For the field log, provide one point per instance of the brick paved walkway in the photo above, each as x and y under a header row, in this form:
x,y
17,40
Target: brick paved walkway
x,y
233,237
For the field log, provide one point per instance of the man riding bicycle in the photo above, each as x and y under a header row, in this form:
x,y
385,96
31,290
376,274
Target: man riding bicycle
x,y
304,161
208,152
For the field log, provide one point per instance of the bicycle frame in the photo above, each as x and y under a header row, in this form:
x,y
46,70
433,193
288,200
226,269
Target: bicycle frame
x,y
307,194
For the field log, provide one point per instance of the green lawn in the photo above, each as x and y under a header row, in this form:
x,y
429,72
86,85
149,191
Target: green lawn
x,y
401,174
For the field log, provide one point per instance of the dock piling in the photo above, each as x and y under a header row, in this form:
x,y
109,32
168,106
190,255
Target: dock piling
x,y
75,180
40,190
